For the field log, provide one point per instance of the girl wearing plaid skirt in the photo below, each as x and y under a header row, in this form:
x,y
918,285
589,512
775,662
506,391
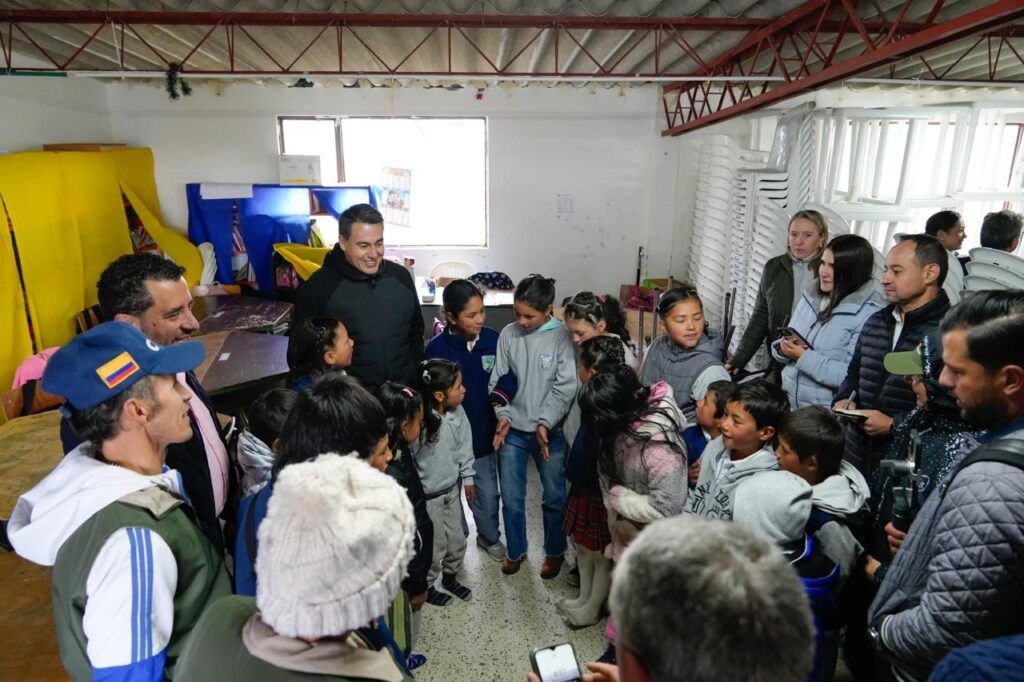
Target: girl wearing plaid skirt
x,y
585,518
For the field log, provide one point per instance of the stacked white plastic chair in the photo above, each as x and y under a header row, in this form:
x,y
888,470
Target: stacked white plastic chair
x,y
713,246
994,269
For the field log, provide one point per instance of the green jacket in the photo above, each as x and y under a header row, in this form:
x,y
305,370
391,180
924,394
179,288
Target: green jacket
x,y
772,309
231,644
201,577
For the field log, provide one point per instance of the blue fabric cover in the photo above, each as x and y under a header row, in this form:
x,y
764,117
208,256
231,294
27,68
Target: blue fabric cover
x,y
275,214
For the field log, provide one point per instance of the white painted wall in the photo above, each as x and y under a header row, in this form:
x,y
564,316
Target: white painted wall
x,y
631,186
602,146
39,110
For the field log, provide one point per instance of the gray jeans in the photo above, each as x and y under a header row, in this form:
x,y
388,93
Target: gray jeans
x,y
449,542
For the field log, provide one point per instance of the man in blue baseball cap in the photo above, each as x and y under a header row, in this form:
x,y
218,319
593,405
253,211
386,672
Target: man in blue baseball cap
x,y
132,572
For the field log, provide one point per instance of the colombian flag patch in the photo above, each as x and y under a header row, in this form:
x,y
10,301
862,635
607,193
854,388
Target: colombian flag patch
x,y
117,370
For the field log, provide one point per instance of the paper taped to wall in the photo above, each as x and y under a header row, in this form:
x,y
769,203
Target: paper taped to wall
x,y
222,190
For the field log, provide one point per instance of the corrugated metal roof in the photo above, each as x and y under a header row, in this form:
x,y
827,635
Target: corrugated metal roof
x,y
472,50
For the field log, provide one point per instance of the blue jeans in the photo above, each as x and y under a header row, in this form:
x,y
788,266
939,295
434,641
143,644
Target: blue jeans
x,y
519,448
485,509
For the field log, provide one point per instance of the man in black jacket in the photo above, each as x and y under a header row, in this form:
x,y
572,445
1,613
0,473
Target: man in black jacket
x,y
150,293
914,272
375,299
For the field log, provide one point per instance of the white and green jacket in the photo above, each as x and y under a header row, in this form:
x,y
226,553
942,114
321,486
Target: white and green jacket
x,y
132,573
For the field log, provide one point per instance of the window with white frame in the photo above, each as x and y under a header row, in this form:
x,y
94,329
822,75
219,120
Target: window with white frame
x,y
891,169
430,174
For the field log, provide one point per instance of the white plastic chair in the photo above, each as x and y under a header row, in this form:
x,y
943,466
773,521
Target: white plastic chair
x,y
455,269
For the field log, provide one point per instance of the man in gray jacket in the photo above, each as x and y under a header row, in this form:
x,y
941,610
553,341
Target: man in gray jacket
x,y
959,576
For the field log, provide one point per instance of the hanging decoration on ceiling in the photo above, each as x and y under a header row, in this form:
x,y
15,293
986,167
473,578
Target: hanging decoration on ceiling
x,y
176,85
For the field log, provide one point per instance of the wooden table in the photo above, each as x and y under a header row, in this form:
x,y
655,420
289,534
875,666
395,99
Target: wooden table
x,y
239,365
241,313
29,450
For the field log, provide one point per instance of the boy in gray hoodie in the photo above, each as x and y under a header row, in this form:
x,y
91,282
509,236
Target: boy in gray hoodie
x,y
743,450
811,446
538,349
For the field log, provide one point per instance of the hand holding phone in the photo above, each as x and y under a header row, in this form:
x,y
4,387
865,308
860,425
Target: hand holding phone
x,y
556,663
789,332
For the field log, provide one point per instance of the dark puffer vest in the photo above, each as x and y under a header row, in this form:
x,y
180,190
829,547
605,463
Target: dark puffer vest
x,y
876,388
381,313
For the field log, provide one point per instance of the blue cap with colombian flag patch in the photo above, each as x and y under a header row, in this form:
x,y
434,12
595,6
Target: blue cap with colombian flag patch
x,y
110,358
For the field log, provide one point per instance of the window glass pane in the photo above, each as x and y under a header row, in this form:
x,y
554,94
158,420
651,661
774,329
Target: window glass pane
x,y
314,137
441,162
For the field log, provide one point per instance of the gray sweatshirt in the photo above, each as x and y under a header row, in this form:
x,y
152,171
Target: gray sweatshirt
x,y
440,464
719,476
544,362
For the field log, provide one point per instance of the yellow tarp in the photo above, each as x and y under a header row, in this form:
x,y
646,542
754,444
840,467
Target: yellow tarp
x,y
91,196
305,259
48,243
69,222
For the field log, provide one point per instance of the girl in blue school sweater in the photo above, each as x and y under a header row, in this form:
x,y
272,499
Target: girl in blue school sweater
x,y
466,341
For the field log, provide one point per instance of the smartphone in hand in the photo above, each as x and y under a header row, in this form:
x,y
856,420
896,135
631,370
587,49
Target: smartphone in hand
x,y
556,663
792,333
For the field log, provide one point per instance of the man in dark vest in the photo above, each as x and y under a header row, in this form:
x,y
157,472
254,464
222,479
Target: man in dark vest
x,y
150,293
375,299
131,571
914,272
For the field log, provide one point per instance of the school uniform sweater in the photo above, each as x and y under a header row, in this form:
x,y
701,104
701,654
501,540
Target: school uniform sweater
x,y
544,362
476,365
449,457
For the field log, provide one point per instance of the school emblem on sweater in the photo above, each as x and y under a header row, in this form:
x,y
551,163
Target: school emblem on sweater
x,y
488,362
545,361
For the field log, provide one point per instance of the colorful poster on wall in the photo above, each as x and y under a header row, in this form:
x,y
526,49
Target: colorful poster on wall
x,y
395,204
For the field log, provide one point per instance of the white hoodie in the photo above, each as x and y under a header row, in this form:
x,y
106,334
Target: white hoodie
x,y
843,495
129,612
46,516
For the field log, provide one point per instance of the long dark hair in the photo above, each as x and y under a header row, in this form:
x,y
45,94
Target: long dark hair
x,y
314,337
589,307
335,415
611,403
853,266
435,375
400,404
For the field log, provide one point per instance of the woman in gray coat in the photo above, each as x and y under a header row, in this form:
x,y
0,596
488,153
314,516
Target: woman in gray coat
x,y
828,317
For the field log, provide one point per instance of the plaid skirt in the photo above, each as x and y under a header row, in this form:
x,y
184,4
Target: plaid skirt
x,y
585,520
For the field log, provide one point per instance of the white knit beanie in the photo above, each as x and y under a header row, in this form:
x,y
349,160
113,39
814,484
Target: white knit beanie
x,y
333,548
774,504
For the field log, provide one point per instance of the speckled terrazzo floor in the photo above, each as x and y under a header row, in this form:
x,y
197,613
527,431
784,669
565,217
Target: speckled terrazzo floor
x,y
491,637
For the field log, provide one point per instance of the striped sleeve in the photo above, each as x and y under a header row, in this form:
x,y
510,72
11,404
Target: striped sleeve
x,y
129,610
